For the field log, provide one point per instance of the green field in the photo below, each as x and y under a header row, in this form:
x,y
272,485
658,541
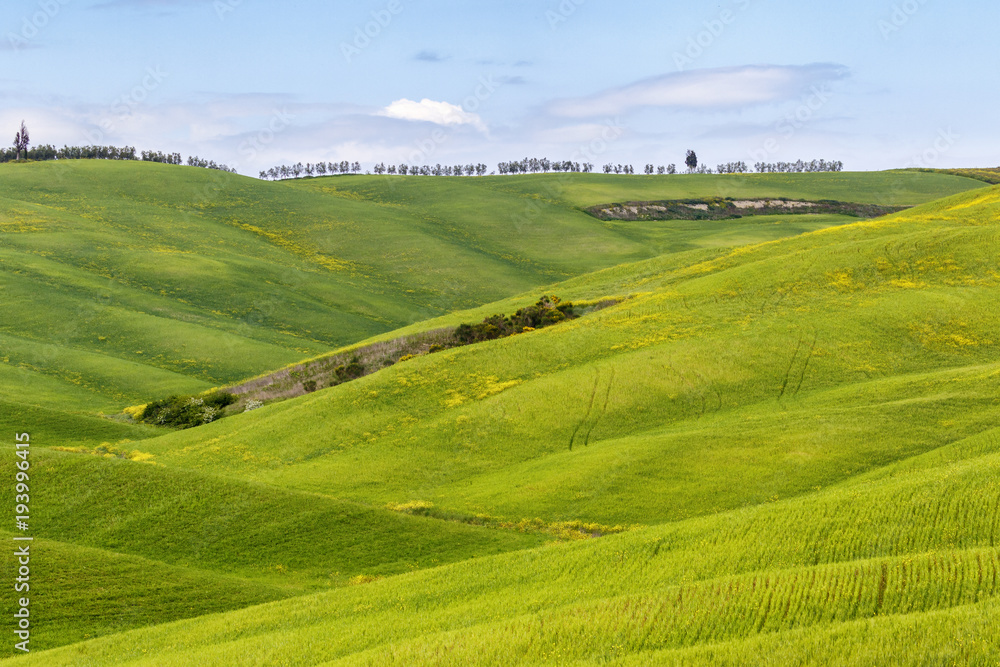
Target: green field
x,y
125,282
793,417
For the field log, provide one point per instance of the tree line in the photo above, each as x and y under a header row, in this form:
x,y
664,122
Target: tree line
x,y
541,165
48,152
319,169
523,166
798,167
535,165
22,150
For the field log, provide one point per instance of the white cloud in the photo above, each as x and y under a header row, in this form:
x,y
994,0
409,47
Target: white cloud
x,y
439,113
708,89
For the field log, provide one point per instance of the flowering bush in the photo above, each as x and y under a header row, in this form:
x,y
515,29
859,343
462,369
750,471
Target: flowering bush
x,y
187,411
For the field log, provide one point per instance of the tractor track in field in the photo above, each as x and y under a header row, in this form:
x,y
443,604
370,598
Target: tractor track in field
x,y
604,408
700,393
590,421
718,394
590,407
694,390
805,366
788,371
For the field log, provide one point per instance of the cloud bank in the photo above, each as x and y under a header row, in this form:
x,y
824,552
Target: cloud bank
x,y
708,89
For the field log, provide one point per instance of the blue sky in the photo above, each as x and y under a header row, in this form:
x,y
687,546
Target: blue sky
x,y
877,84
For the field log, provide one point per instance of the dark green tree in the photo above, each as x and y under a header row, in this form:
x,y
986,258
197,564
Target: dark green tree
x,y
21,141
691,160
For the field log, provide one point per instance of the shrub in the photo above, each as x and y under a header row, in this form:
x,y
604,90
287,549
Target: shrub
x,y
135,412
187,411
351,371
547,311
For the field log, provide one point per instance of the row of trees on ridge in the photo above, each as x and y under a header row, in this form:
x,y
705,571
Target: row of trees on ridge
x,y
22,151
534,165
542,165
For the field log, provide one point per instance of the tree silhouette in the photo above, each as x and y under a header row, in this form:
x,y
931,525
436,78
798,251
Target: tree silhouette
x,y
21,141
691,160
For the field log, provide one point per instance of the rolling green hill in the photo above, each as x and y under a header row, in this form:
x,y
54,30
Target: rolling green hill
x,y
123,282
207,544
893,566
760,372
86,592
799,429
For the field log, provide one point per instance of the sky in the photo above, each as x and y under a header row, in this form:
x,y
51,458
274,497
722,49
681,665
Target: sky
x,y
876,84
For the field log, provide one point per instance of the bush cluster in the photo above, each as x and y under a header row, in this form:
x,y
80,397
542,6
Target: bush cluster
x,y
187,411
548,311
352,370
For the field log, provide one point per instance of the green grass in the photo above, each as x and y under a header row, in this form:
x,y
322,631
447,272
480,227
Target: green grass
x,y
987,175
773,363
54,427
123,282
121,544
888,188
79,593
293,540
868,564
797,416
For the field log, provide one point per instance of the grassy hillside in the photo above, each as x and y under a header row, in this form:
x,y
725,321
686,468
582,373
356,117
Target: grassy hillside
x,y
122,544
535,192
291,539
897,565
800,432
82,593
761,373
987,175
124,282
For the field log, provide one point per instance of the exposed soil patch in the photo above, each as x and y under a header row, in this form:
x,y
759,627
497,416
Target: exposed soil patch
x,y
336,369
330,371
733,209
